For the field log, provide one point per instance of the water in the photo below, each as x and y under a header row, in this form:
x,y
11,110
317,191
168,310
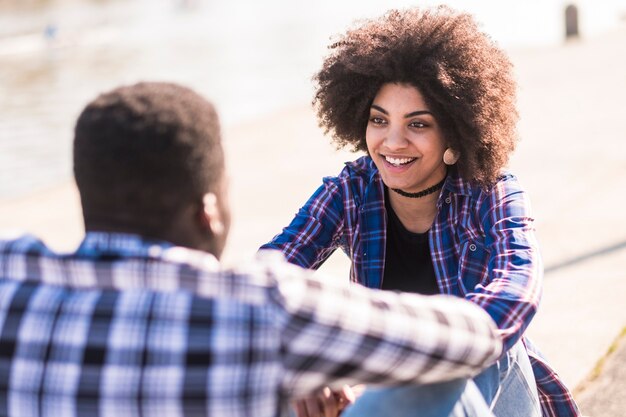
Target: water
x,y
44,83
248,57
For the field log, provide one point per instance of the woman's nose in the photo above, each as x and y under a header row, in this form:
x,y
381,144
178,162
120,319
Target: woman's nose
x,y
396,139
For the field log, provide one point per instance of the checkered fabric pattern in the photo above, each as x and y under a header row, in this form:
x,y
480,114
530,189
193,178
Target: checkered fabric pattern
x,y
482,244
130,327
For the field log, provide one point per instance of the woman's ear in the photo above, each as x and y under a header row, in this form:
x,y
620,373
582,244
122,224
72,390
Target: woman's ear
x,y
210,216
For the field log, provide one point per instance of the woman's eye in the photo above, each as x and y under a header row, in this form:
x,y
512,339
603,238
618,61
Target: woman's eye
x,y
417,124
377,120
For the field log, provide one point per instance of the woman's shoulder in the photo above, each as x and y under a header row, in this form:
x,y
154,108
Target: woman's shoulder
x,y
506,197
356,180
507,192
361,169
507,182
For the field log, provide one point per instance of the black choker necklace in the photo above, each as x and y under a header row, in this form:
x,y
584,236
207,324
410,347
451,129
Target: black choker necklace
x,y
422,193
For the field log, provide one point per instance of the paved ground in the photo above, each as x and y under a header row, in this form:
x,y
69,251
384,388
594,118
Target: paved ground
x,y
571,160
605,393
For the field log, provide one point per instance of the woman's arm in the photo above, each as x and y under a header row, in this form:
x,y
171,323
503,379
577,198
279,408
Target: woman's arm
x,y
512,291
314,233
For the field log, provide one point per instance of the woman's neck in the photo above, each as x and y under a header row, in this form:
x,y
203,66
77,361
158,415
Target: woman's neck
x,y
415,214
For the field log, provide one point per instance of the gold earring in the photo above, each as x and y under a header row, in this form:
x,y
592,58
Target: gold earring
x,y
450,156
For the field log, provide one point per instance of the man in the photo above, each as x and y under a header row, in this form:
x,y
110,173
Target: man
x,y
141,319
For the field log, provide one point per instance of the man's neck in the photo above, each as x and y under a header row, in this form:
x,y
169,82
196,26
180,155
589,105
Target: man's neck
x,y
175,237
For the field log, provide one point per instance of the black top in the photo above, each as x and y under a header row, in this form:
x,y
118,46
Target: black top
x,y
408,266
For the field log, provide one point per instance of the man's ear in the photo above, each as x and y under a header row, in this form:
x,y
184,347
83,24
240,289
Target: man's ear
x,y
211,218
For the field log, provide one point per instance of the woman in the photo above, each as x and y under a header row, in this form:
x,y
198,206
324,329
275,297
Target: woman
x,y
431,99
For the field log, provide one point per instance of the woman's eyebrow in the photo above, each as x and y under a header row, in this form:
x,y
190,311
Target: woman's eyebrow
x,y
380,109
415,113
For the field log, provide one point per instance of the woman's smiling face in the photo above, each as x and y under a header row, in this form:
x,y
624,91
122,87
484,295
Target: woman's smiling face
x,y
404,139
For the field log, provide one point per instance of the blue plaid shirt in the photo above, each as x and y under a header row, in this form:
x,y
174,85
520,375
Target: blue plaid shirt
x,y
482,244
131,327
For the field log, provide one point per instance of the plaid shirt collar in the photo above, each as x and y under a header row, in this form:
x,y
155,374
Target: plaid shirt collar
x,y
374,190
128,245
373,222
178,267
97,244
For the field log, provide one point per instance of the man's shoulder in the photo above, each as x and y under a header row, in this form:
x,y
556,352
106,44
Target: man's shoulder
x,y
150,268
16,242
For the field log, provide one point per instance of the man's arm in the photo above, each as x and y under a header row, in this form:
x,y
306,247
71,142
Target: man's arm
x,y
336,334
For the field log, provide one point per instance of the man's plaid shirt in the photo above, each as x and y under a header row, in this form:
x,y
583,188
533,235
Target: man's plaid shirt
x,y
130,327
482,245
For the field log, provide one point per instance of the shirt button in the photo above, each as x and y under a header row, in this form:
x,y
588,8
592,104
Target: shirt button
x,y
472,247
448,200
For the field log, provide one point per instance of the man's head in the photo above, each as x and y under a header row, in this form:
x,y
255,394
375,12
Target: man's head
x,y
148,159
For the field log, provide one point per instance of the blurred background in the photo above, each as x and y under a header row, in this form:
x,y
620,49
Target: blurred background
x,y
255,60
250,57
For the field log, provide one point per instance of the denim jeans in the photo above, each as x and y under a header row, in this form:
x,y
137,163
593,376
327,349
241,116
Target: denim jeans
x,y
505,389
509,385
458,398
508,390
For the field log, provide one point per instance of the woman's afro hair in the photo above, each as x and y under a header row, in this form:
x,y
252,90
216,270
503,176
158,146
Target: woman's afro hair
x,y
466,80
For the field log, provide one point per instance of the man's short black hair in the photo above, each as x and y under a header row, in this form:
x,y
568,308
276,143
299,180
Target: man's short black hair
x,y
143,152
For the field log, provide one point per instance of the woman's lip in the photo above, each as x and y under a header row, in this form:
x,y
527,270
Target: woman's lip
x,y
397,168
407,159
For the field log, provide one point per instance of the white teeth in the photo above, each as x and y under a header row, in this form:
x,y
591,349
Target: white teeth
x,y
398,161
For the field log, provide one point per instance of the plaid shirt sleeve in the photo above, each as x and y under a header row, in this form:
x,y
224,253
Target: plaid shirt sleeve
x,y
349,334
314,233
512,294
